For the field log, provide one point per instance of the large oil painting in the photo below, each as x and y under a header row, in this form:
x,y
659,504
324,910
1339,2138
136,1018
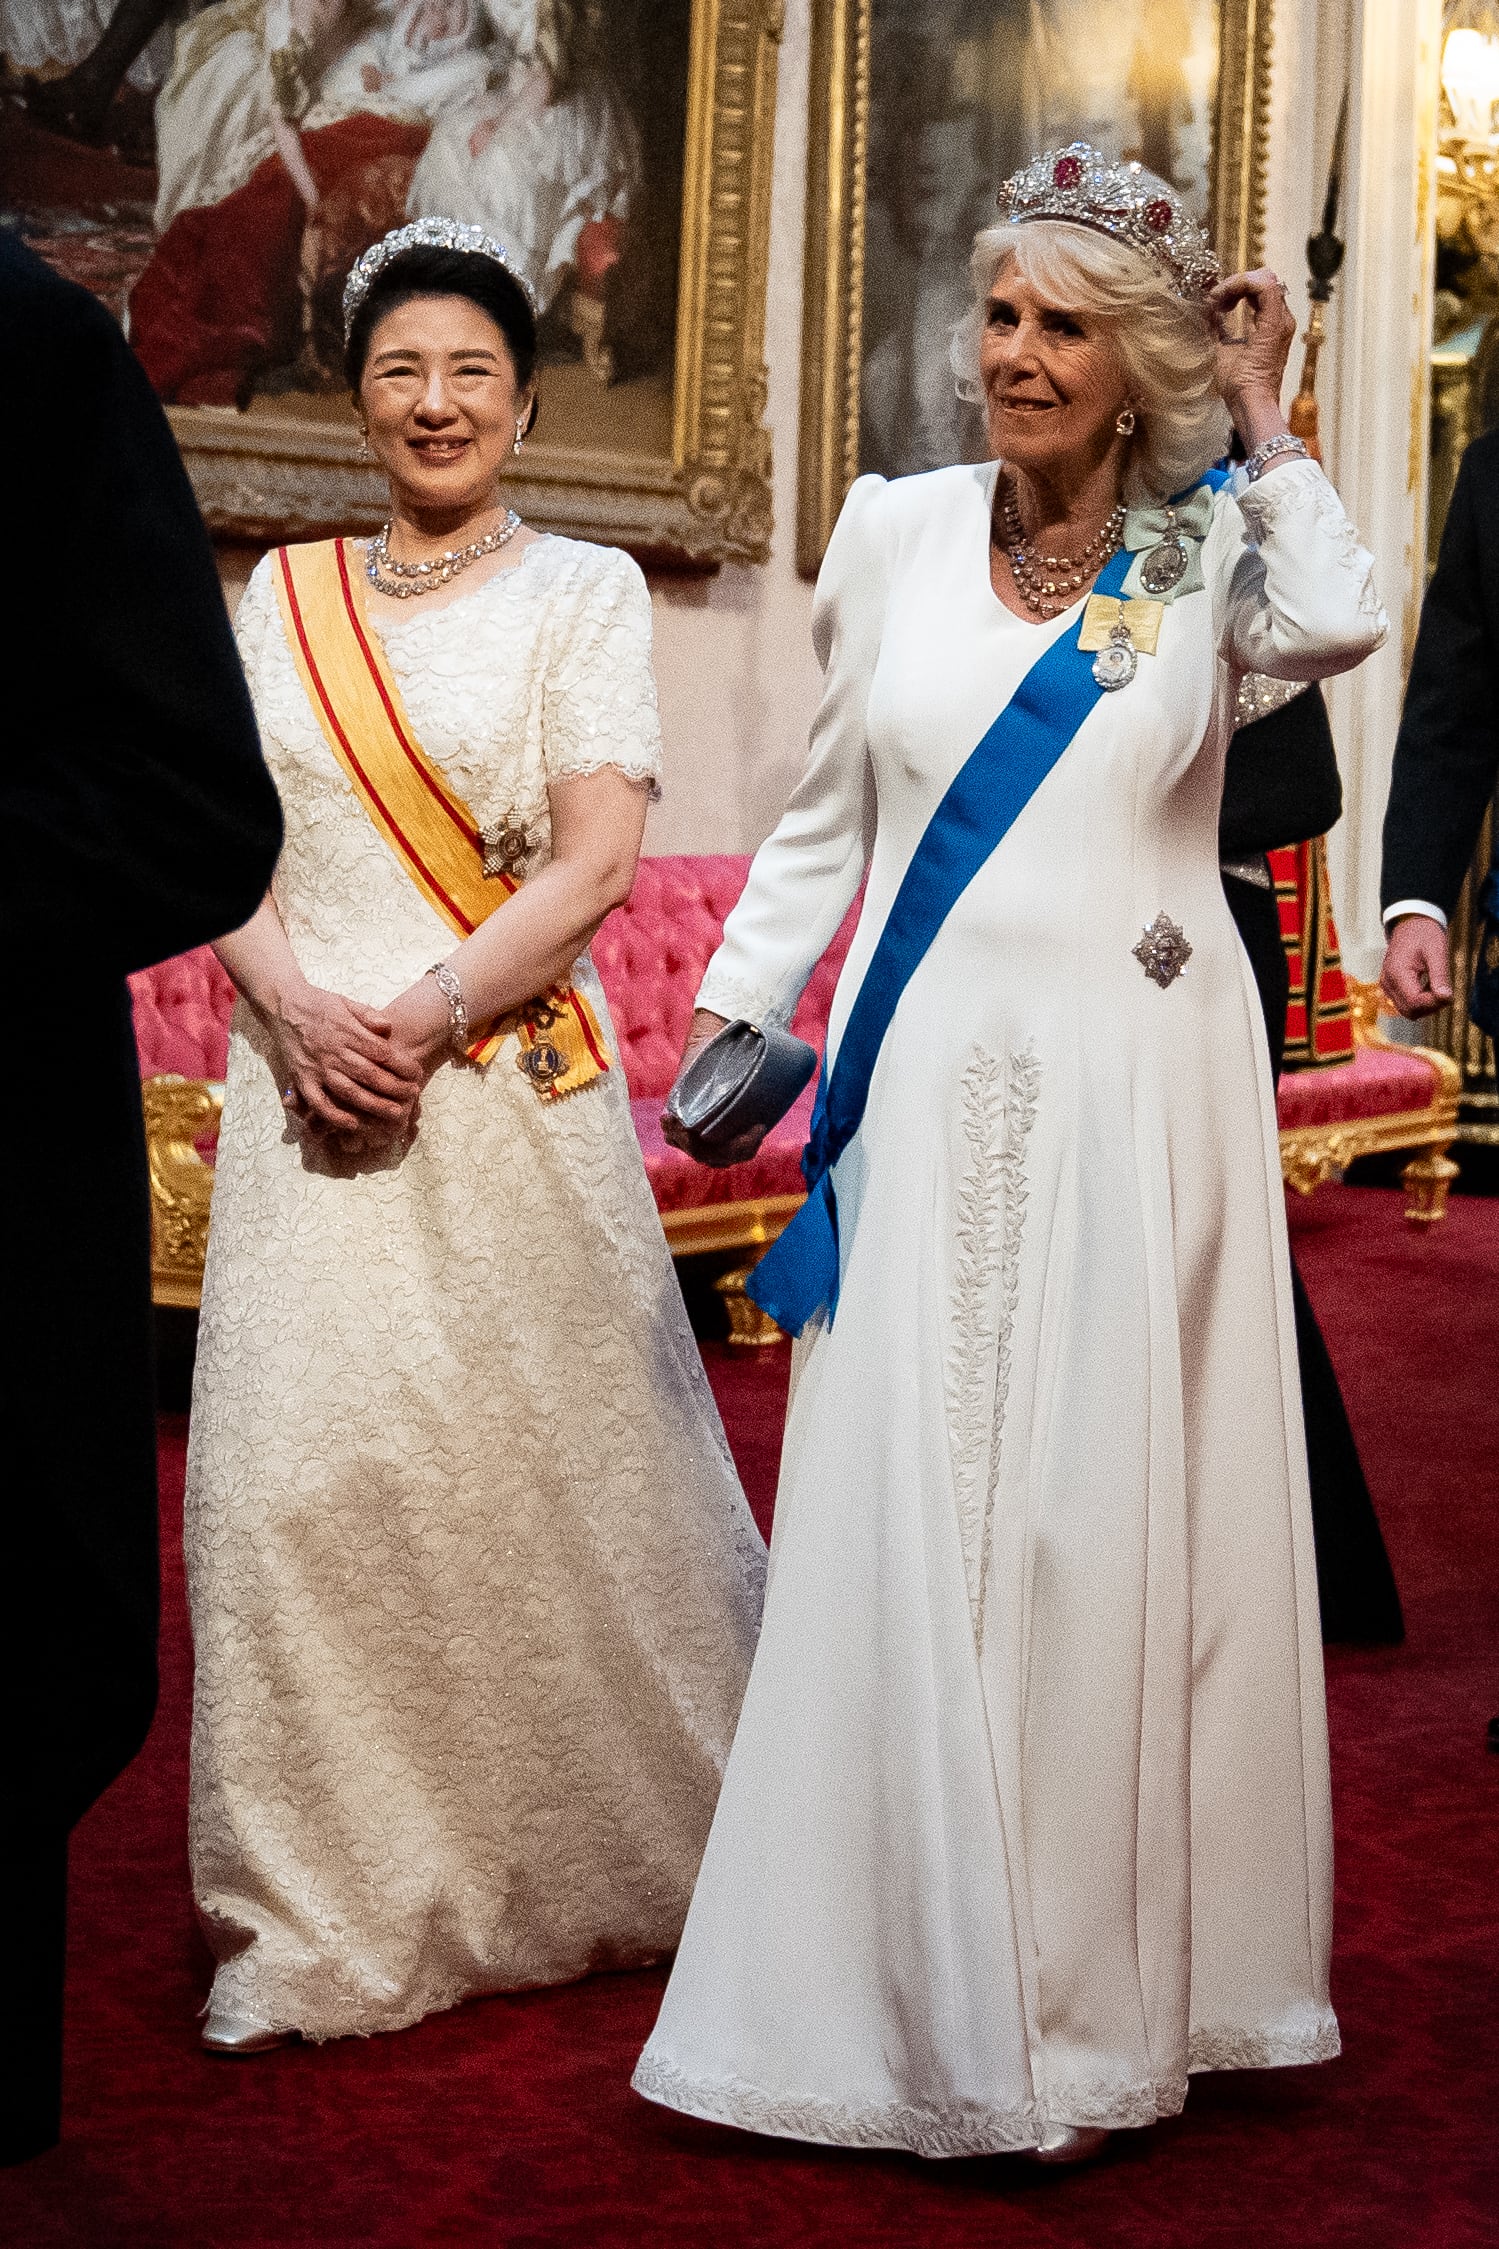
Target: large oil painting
x,y
212,170
918,114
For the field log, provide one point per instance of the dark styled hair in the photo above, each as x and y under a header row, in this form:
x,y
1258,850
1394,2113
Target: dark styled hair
x,y
425,272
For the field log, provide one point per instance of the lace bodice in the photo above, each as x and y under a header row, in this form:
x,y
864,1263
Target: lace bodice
x,y
541,674
474,1586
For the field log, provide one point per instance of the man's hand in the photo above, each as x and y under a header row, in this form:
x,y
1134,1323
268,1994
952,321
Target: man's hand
x,y
1417,974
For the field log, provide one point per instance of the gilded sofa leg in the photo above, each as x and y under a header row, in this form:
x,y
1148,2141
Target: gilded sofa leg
x,y
178,1111
748,1325
1427,1178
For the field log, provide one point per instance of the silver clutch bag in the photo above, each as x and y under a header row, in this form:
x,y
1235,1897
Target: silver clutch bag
x,y
745,1077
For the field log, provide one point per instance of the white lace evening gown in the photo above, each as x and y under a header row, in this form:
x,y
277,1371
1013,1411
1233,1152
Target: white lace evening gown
x,y
1028,1815
474,1587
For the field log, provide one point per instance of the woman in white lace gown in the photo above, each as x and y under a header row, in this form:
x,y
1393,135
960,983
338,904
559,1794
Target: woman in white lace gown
x,y
474,1587
1028,1811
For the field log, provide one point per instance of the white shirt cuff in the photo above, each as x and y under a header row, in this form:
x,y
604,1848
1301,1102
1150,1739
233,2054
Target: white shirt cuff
x,y
1414,906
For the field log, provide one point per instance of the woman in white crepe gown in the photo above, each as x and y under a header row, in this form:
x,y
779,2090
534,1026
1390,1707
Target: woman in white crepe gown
x,y
1028,1814
474,1587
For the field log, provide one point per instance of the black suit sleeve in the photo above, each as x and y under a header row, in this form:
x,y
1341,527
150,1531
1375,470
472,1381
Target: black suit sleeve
x,y
1280,781
1447,751
136,814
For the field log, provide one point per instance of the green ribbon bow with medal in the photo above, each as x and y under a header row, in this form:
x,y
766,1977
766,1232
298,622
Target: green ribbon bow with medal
x,y
1166,543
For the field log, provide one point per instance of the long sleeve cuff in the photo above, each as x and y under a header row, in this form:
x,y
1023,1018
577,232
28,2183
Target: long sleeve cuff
x,y
1402,906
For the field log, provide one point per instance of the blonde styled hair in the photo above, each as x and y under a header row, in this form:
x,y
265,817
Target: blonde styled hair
x,y
1166,344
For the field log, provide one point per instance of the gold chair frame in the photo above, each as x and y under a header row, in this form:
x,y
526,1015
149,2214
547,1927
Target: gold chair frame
x,y
179,1111
1311,1155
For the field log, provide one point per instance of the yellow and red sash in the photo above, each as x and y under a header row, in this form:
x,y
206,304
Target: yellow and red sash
x,y
432,832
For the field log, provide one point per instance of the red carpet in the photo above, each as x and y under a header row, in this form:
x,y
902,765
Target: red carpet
x,y
510,2121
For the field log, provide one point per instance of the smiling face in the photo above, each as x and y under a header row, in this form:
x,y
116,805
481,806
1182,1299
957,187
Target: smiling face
x,y
1054,382
441,400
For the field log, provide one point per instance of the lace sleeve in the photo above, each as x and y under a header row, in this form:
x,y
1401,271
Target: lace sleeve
x,y
1296,590
599,700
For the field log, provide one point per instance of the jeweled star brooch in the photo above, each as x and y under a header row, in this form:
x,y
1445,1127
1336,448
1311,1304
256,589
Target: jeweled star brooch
x,y
1163,951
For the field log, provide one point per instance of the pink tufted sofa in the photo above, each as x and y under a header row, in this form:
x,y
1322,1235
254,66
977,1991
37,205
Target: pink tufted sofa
x,y
651,955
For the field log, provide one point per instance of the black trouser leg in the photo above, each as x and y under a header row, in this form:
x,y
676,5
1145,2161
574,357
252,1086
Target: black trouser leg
x,y
1355,1584
33,1912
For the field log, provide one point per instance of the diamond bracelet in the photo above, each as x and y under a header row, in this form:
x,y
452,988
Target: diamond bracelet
x,y
1272,449
452,991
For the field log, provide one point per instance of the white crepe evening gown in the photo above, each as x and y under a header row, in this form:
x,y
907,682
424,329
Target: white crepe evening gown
x,y
1027,1815
474,1588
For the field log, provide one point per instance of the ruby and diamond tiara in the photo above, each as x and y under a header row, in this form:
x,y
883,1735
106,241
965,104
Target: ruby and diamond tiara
x,y
427,234
1123,200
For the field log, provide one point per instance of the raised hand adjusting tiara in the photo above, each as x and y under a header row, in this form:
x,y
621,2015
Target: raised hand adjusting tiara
x,y
427,234
1122,200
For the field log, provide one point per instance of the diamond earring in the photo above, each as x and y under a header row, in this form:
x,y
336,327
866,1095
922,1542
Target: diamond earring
x,y
1126,422
364,445
520,437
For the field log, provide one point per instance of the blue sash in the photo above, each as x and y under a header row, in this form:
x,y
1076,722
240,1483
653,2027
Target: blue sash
x,y
799,1274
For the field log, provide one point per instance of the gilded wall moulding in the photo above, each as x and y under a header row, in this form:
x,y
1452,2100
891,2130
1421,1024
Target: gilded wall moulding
x,y
670,460
622,154
916,115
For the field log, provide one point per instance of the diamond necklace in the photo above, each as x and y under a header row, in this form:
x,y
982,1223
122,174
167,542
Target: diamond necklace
x,y
1051,583
406,579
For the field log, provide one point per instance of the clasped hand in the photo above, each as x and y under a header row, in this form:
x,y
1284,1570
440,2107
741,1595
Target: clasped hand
x,y
354,1075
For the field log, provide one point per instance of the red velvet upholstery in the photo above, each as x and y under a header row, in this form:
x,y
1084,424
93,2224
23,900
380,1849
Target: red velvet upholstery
x,y
679,1184
182,1010
1378,1082
651,954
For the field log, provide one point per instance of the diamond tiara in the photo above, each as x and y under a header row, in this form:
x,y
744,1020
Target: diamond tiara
x,y
427,234
1121,200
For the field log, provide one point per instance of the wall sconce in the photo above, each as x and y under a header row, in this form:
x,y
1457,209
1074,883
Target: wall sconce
x,y
1470,80
1468,141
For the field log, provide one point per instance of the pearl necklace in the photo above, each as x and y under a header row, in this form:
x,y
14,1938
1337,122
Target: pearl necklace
x,y
1051,583
406,579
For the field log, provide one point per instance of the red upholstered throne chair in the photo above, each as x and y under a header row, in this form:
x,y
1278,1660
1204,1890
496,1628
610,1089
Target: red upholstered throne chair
x,y
1387,1096
1346,1090
651,955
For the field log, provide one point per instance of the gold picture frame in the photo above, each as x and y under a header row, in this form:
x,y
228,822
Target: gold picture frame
x,y
833,284
701,498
